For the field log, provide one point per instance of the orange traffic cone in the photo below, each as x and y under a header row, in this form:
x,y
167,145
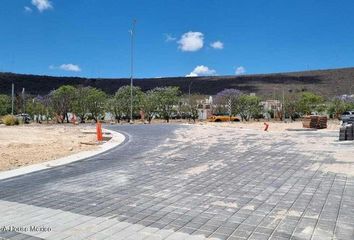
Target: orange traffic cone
x,y
99,131
266,126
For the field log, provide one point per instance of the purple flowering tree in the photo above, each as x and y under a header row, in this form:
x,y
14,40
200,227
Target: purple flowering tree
x,y
225,98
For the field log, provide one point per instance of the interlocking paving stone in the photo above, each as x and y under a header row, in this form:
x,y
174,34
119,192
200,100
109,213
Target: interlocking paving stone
x,y
140,190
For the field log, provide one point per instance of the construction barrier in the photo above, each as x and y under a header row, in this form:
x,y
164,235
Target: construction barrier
x,y
346,133
317,122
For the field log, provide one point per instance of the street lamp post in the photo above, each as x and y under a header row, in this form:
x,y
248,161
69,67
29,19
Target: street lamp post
x,y
132,32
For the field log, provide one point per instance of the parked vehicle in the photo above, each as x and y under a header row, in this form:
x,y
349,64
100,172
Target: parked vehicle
x,y
26,118
348,117
223,118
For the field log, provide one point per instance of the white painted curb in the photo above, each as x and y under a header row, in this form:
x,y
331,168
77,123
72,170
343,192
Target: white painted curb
x,y
117,139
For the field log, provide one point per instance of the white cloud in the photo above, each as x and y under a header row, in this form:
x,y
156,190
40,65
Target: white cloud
x,y
28,9
191,41
67,67
70,67
169,38
217,45
201,70
42,5
240,70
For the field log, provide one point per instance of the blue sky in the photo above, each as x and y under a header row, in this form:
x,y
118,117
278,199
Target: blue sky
x,y
90,38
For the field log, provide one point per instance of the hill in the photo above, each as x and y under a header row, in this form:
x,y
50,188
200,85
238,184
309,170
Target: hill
x,y
329,83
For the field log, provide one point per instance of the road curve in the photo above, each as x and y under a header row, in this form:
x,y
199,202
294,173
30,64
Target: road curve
x,y
161,185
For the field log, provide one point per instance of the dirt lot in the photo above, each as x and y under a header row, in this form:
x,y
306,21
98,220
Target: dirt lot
x,y
29,144
273,125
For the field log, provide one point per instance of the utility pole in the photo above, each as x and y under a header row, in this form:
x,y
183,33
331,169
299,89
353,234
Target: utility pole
x,y
12,98
132,32
23,101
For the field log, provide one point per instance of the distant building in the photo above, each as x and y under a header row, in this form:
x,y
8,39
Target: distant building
x,y
205,108
274,106
270,105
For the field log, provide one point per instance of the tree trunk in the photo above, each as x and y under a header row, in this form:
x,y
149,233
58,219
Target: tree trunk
x,y
117,117
82,118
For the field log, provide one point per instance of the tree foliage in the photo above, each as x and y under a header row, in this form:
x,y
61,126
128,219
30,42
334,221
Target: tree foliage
x,y
80,106
5,105
166,98
36,109
227,98
340,104
62,101
150,104
247,107
291,105
89,102
310,102
123,101
194,101
113,108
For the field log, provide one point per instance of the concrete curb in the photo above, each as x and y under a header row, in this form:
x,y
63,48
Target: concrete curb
x,y
116,140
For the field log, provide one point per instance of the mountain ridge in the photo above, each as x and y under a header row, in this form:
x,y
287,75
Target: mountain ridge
x,y
327,82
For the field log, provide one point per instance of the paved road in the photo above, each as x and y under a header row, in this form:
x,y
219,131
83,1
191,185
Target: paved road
x,y
156,186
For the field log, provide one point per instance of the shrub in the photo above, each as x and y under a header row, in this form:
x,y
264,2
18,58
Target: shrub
x,y
10,120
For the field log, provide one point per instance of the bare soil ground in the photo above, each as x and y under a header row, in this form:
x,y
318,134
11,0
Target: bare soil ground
x,y
30,144
274,126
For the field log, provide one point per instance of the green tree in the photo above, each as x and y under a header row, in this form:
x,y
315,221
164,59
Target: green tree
x,y
5,105
291,105
227,98
191,108
95,100
46,101
247,107
167,98
80,106
310,102
338,105
36,109
114,109
150,104
122,97
254,107
62,101
89,102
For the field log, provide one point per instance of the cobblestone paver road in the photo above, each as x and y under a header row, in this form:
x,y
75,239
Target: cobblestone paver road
x,y
167,182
